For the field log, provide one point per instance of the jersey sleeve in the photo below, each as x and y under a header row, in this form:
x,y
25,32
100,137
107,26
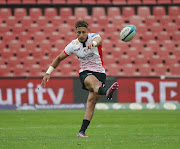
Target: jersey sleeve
x,y
69,49
94,35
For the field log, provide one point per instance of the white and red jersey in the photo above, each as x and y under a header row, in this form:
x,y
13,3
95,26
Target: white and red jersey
x,y
90,59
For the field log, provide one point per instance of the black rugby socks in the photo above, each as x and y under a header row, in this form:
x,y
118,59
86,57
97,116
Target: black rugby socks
x,y
102,91
84,126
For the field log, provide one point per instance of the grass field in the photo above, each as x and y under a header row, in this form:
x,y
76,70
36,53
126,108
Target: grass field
x,y
57,129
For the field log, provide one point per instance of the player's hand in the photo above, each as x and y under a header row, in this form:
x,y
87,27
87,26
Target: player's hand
x,y
45,79
89,45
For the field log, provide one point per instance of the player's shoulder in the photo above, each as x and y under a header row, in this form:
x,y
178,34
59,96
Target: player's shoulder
x,y
74,42
92,35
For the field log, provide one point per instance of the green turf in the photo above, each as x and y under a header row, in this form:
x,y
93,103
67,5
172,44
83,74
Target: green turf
x,y
57,129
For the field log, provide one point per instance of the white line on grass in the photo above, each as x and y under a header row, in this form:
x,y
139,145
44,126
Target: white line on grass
x,y
77,126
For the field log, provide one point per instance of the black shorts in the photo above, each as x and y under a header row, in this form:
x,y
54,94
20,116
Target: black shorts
x,y
100,76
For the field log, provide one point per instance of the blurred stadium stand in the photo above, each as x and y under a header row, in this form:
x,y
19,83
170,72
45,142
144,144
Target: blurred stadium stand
x,y
31,36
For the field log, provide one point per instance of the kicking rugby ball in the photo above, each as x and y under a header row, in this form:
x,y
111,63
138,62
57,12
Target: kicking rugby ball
x,y
128,33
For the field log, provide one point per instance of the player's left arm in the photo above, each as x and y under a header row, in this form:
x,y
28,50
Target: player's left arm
x,y
95,43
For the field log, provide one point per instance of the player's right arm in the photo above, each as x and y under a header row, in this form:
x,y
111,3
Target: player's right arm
x,y
58,59
54,64
65,53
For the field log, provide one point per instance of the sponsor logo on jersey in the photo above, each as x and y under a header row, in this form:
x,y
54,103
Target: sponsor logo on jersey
x,y
77,42
77,49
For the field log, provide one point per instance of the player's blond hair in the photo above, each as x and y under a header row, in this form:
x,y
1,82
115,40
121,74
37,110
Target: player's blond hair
x,y
81,23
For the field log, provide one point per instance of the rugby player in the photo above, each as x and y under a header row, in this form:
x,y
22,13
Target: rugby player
x,y
88,48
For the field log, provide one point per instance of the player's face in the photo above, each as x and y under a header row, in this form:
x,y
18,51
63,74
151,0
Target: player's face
x,y
82,33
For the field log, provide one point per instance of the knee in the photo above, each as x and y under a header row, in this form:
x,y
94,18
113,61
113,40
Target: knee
x,y
96,87
92,101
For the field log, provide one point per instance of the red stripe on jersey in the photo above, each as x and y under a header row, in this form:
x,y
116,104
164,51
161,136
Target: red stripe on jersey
x,y
95,37
66,53
100,53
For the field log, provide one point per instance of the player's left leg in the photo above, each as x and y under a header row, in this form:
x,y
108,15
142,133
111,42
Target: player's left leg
x,y
94,85
91,102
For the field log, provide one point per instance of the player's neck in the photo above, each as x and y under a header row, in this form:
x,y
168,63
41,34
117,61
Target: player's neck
x,y
84,43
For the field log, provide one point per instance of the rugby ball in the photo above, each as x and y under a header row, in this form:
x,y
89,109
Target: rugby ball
x,y
128,33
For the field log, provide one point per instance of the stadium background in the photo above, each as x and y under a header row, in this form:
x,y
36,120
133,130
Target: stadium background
x,y
33,32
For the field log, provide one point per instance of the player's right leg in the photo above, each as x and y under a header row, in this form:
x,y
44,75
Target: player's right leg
x,y
90,106
93,83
